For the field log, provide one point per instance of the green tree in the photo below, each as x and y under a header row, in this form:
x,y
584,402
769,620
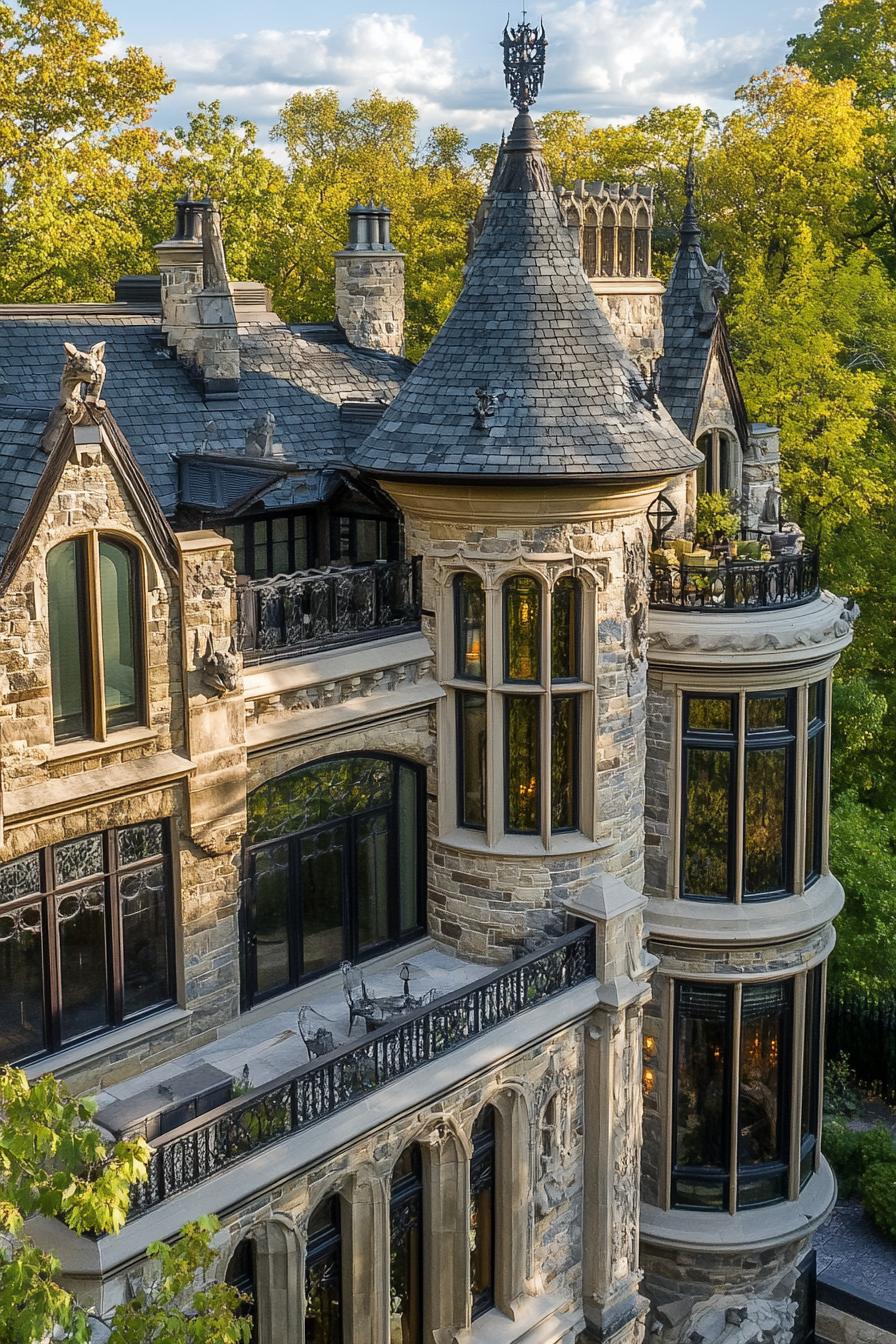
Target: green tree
x,y
73,145
55,1162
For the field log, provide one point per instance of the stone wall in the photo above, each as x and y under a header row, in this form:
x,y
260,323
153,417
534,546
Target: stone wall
x,y
635,310
370,300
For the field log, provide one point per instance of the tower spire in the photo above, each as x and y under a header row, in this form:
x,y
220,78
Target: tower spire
x,y
690,224
524,52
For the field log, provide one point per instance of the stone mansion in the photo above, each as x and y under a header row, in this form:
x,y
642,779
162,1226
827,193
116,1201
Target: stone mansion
x,y
412,822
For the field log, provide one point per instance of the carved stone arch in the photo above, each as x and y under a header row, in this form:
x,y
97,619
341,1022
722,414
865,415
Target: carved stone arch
x,y
626,241
445,1151
364,1199
513,1191
608,227
278,1279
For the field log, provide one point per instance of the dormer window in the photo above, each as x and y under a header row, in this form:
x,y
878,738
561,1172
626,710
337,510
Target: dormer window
x,y
95,607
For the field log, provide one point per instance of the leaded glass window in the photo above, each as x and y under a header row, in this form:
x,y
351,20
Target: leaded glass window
x,y
95,610
323,1275
406,1250
483,1213
522,629
732,1120
727,853
85,938
334,869
469,627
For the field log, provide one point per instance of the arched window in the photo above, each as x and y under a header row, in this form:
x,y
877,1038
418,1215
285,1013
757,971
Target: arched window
x,y
334,868
626,239
483,1213
642,242
608,242
95,606
406,1250
241,1275
323,1275
720,470
469,615
590,242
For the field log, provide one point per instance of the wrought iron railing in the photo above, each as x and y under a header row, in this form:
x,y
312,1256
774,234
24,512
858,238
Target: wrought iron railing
x,y
319,609
736,585
219,1139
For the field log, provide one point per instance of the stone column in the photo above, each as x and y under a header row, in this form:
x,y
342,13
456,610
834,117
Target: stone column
x,y
614,1308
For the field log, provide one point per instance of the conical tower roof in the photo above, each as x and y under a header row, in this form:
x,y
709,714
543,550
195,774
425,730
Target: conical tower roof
x,y
526,378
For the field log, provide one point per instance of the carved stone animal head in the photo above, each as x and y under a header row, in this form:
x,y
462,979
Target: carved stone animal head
x,y
82,368
219,669
260,436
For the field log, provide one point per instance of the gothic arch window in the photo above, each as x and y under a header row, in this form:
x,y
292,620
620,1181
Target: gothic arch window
x,y
323,1275
720,469
590,232
241,1274
608,242
95,609
333,867
626,241
483,1219
406,1249
642,242
523,701
573,223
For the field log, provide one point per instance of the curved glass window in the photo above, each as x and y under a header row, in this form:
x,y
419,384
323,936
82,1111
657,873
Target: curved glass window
x,y
482,1213
815,781
406,1250
522,629
564,762
94,596
810,1101
323,1275
731,1144
729,854
85,938
642,243
608,242
334,868
521,737
472,765
469,627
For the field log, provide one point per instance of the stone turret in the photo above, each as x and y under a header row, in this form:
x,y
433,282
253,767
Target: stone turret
x,y
370,282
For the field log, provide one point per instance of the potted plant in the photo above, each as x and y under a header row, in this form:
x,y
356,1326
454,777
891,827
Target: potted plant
x,y
716,520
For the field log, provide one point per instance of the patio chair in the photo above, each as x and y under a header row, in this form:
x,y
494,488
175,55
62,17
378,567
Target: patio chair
x,y
355,991
318,1039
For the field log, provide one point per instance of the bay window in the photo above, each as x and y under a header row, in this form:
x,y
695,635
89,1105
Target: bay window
x,y
95,614
86,930
735,1119
748,831
517,675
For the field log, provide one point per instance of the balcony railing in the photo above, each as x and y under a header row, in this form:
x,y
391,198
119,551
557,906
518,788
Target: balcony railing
x,y
321,609
735,584
219,1139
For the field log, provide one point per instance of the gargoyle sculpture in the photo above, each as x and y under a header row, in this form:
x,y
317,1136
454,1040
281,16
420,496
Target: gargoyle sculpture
x,y
260,436
82,367
486,405
219,669
713,287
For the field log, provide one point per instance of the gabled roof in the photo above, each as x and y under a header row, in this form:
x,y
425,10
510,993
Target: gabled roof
x,y
526,378
47,453
692,336
300,375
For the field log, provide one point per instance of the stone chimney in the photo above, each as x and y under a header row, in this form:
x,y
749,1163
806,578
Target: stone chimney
x,y
198,313
370,282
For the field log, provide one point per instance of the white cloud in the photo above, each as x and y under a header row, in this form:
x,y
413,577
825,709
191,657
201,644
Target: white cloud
x,y
609,58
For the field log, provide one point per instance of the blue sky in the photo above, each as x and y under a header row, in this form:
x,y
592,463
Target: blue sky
x,y
609,58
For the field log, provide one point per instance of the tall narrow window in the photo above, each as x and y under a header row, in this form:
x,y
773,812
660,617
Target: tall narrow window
x,y
521,741
564,762
471,774
709,756
706,474
732,1123
811,1073
815,781
323,1275
522,629
565,630
589,243
768,785
626,239
469,627
608,243
95,592
642,242
241,1275
482,1213
406,1250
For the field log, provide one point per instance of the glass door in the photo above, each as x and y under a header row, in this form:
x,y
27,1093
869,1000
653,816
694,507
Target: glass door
x,y
321,889
369,916
269,954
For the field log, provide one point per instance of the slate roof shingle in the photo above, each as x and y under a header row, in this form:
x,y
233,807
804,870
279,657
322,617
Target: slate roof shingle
x,y
569,401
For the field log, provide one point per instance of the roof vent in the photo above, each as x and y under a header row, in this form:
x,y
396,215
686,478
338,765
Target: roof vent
x,y
361,412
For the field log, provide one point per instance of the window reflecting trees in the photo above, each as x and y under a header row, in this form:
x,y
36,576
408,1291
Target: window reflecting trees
x,y
482,1213
746,830
406,1232
323,1275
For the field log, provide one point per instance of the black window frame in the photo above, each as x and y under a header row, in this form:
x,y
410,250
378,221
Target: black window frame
x,y
816,731
248,524
813,1041
732,1175
242,1274
407,1198
49,896
397,937
707,739
538,701
484,1176
346,521
460,672
461,701
325,1245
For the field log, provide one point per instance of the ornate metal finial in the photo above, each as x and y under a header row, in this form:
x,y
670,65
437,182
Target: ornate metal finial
x,y
690,224
690,176
524,51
